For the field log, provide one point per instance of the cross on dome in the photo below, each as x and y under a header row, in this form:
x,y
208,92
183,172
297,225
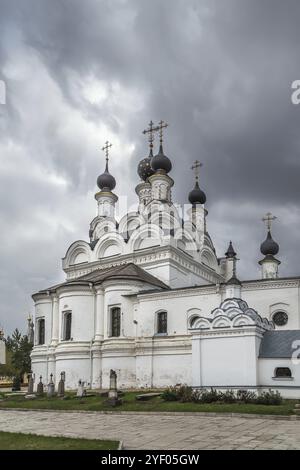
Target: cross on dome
x,y
268,219
106,148
161,125
196,168
151,129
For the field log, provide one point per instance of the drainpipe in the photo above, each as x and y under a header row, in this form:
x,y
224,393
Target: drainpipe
x,y
91,364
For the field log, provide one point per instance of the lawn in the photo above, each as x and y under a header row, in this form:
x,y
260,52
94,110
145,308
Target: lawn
x,y
98,403
18,441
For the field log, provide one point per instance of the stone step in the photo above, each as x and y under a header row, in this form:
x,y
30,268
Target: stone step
x,y
147,396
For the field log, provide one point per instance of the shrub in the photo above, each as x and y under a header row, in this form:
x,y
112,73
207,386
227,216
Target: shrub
x,y
170,394
269,398
228,397
185,393
209,396
245,396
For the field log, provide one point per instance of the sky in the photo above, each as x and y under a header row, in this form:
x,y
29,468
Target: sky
x,y
79,73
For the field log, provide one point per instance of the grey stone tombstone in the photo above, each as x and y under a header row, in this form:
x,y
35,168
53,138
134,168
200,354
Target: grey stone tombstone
x,y
61,386
113,399
80,389
30,384
51,387
40,387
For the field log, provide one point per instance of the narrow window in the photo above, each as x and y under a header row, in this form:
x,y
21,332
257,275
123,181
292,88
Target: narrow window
x,y
115,314
67,326
41,331
162,323
283,372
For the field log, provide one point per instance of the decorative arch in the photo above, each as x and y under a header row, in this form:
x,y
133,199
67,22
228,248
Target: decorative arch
x,y
78,252
130,222
221,322
192,315
202,324
182,235
208,257
243,320
103,226
148,235
111,244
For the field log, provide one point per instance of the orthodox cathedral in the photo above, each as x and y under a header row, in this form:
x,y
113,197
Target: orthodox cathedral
x,y
148,297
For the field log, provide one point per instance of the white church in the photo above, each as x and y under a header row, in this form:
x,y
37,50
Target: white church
x,y
148,297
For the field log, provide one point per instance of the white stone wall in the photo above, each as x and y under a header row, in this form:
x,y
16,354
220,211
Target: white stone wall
x,y
225,358
272,296
289,388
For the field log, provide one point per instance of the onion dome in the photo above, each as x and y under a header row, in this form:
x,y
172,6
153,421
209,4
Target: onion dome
x,y
106,182
144,167
230,253
197,196
161,162
269,246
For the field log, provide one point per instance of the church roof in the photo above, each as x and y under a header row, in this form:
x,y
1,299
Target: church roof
x,y
129,271
279,344
124,271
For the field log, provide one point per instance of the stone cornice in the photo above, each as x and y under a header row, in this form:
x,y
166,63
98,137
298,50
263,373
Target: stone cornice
x,y
270,284
184,292
150,256
217,332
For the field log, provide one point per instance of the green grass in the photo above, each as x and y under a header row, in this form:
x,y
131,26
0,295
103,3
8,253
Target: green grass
x,y
97,403
18,441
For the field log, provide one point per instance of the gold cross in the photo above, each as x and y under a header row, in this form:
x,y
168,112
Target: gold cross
x,y
161,125
196,168
268,218
151,129
106,149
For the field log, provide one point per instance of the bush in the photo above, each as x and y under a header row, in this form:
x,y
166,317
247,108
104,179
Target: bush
x,y
209,396
170,394
269,398
228,397
244,396
185,394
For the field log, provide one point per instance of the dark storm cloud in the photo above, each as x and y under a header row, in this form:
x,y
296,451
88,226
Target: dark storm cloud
x,y
218,71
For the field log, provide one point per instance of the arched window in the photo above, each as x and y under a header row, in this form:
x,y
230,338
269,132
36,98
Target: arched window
x,y
162,322
41,331
67,325
283,372
115,321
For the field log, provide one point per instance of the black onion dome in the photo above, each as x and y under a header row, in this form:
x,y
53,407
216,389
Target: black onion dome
x,y
161,161
269,246
230,253
144,167
106,181
197,196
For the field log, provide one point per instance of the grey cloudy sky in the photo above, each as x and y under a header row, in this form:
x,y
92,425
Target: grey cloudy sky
x,y
80,72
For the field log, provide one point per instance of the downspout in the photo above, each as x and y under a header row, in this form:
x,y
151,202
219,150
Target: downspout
x,y
152,351
91,364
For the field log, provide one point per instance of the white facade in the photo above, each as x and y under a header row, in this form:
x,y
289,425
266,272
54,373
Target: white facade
x,y
159,276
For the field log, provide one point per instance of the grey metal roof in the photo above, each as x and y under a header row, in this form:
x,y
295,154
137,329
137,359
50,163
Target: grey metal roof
x,y
129,271
279,344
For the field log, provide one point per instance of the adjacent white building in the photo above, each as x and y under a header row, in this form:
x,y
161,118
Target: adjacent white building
x,y
148,296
